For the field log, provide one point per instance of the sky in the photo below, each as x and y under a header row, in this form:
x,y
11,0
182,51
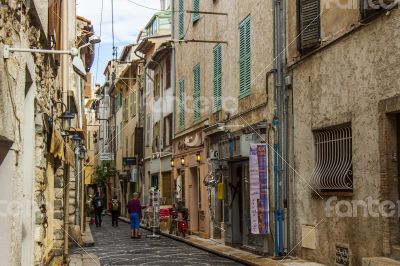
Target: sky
x,y
129,19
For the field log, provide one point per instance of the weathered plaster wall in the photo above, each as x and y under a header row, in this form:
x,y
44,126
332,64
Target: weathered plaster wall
x,y
344,83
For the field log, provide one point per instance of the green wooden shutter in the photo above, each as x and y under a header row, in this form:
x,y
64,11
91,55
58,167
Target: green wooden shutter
x,y
182,103
217,78
195,8
181,17
244,57
196,93
310,25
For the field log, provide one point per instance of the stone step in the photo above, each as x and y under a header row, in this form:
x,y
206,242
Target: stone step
x,y
396,252
379,261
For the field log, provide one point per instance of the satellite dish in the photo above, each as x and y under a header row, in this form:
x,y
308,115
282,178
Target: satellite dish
x,y
78,66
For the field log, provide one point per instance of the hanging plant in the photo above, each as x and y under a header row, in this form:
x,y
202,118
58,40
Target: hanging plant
x,y
103,173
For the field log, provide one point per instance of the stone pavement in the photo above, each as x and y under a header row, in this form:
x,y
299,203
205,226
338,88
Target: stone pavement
x,y
113,246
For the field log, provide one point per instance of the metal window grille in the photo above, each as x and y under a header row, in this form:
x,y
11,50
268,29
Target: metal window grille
x,y
333,167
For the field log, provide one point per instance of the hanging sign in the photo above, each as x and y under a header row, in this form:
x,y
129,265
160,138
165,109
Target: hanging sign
x,y
259,197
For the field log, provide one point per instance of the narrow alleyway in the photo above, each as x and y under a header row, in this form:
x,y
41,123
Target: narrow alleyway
x,y
115,247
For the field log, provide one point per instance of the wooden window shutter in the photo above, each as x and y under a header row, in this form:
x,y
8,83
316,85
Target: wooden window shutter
x,y
196,93
195,8
51,22
310,24
182,103
181,17
217,78
244,57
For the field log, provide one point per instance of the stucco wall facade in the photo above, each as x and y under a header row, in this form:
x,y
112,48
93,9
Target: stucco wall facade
x,y
344,83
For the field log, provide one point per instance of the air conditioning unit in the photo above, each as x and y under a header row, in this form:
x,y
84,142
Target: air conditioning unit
x,y
214,155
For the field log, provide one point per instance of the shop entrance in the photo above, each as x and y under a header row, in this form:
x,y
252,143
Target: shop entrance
x,y
194,202
240,206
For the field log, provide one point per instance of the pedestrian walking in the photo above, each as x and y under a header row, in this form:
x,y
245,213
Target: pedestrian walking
x,y
135,212
98,209
114,208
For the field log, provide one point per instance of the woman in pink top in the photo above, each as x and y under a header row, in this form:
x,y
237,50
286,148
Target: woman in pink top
x,y
135,211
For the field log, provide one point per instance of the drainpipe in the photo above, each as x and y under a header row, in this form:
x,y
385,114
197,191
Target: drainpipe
x,y
279,146
65,86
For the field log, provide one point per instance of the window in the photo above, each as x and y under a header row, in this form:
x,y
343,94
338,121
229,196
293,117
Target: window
x,y
196,93
244,58
125,109
217,78
133,103
120,135
126,147
309,25
181,18
333,153
167,130
182,104
372,8
156,137
195,8
157,86
168,77
148,128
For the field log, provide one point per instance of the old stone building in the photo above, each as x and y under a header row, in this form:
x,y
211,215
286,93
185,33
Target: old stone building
x,y
342,69
224,103
37,98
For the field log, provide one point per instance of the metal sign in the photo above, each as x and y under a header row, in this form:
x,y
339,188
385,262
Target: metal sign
x,y
105,156
129,161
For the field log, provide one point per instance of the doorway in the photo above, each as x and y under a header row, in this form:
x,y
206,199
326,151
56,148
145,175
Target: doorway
x,y
194,203
236,203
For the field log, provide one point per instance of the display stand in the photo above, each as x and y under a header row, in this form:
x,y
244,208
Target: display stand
x,y
155,222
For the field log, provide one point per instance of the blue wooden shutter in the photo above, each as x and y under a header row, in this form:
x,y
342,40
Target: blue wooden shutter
x,y
217,78
181,16
182,103
244,58
196,93
195,8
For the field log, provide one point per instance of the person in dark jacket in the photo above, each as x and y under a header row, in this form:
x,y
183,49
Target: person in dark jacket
x,y
98,208
114,207
135,211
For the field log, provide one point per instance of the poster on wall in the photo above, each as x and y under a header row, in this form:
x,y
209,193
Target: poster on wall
x,y
259,197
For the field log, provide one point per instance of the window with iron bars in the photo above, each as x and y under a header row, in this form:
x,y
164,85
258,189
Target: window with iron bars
x,y
334,165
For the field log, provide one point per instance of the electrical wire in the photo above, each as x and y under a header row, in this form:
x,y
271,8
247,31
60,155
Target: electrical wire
x,y
155,9
99,45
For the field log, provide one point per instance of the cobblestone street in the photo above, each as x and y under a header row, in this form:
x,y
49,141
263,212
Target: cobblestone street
x,y
115,247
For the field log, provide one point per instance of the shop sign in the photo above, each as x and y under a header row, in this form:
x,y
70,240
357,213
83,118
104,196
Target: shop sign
x,y
106,156
259,197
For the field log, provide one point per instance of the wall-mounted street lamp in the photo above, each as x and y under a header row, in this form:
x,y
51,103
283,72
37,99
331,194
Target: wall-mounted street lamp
x,y
77,62
82,152
183,161
198,158
172,163
65,116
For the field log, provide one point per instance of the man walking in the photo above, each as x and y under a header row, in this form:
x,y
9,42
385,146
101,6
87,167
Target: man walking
x,y
114,208
98,209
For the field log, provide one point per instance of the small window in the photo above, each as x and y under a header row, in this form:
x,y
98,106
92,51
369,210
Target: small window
x,y
244,58
168,77
196,94
182,104
148,128
167,130
372,8
217,78
334,165
196,9
309,25
157,86
181,18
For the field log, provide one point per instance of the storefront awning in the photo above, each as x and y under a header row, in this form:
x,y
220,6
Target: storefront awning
x,y
57,145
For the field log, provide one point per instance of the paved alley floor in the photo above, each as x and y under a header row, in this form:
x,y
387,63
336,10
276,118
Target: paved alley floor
x,y
114,246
